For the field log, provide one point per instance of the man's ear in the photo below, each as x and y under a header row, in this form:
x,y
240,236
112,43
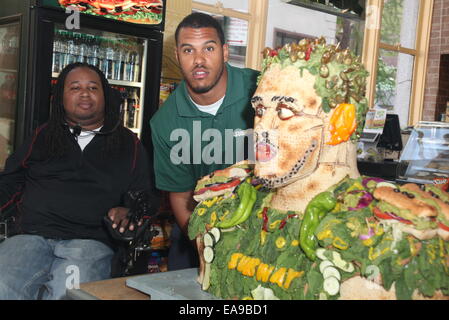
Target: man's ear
x,y
225,52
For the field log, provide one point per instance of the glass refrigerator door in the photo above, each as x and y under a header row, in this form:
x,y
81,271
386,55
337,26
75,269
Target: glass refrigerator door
x,y
9,61
120,57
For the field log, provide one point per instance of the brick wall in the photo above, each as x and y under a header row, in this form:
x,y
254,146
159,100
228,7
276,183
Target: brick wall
x,y
435,98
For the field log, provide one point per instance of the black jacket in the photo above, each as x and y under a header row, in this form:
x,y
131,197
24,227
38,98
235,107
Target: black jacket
x,y
67,198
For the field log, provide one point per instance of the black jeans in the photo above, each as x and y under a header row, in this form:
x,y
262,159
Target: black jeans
x,y
182,254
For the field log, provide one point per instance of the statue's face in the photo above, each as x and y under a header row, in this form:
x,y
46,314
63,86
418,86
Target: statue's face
x,y
288,127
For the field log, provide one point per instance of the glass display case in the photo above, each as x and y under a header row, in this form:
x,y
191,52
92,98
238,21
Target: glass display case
x,y
425,158
9,53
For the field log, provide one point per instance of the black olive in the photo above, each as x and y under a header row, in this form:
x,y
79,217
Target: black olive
x,y
411,196
397,190
422,187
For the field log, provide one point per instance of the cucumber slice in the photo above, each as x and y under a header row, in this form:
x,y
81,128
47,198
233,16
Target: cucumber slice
x,y
342,264
325,264
320,254
258,293
332,286
206,279
331,272
216,233
322,296
386,184
208,254
209,239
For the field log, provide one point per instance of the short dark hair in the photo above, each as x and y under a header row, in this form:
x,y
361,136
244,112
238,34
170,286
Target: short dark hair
x,y
198,20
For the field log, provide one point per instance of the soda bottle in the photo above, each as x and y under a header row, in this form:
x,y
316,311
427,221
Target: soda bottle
x,y
109,60
56,63
71,49
63,55
93,52
101,54
131,109
83,49
118,61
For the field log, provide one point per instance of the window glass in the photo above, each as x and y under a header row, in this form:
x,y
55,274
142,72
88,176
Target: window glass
x,y
288,22
399,22
394,83
236,35
239,5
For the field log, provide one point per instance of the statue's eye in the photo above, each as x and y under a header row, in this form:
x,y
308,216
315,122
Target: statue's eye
x,y
260,110
284,113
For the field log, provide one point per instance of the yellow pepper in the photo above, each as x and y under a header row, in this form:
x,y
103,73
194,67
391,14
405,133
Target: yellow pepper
x,y
210,203
342,123
280,242
224,215
234,260
291,275
260,271
213,218
266,274
242,264
374,255
201,211
325,234
295,243
252,267
441,243
263,237
368,242
340,244
274,224
278,277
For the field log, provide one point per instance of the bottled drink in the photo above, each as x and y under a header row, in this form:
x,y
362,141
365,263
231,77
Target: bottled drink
x,y
109,67
56,63
76,47
63,55
131,66
102,55
136,65
83,50
71,49
131,109
118,61
93,52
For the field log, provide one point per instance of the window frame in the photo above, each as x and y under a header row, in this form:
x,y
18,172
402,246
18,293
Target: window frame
x,y
256,17
372,46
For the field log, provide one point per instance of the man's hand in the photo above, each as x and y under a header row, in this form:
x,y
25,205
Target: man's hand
x,y
119,219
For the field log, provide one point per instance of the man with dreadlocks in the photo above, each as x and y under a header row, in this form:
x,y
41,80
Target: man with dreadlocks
x,y
62,182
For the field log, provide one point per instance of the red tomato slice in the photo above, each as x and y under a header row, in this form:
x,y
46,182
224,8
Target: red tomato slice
x,y
382,215
378,213
231,184
443,226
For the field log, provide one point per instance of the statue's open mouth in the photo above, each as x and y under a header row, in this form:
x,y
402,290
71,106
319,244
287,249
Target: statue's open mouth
x,y
265,151
281,180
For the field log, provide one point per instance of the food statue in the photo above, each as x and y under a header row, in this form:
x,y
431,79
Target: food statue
x,y
301,223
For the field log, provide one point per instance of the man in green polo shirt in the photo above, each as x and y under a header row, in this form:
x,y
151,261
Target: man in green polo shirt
x,y
202,125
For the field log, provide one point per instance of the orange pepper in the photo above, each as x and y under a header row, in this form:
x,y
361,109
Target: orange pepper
x,y
342,123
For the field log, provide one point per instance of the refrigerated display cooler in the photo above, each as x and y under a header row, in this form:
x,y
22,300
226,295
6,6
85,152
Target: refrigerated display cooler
x,y
36,42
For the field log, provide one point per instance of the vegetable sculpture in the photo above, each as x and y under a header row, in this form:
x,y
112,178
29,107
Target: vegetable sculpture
x,y
302,223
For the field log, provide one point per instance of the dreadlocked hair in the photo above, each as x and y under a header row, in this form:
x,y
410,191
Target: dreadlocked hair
x,y
56,137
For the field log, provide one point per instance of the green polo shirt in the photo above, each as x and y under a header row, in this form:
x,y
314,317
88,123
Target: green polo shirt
x,y
189,144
